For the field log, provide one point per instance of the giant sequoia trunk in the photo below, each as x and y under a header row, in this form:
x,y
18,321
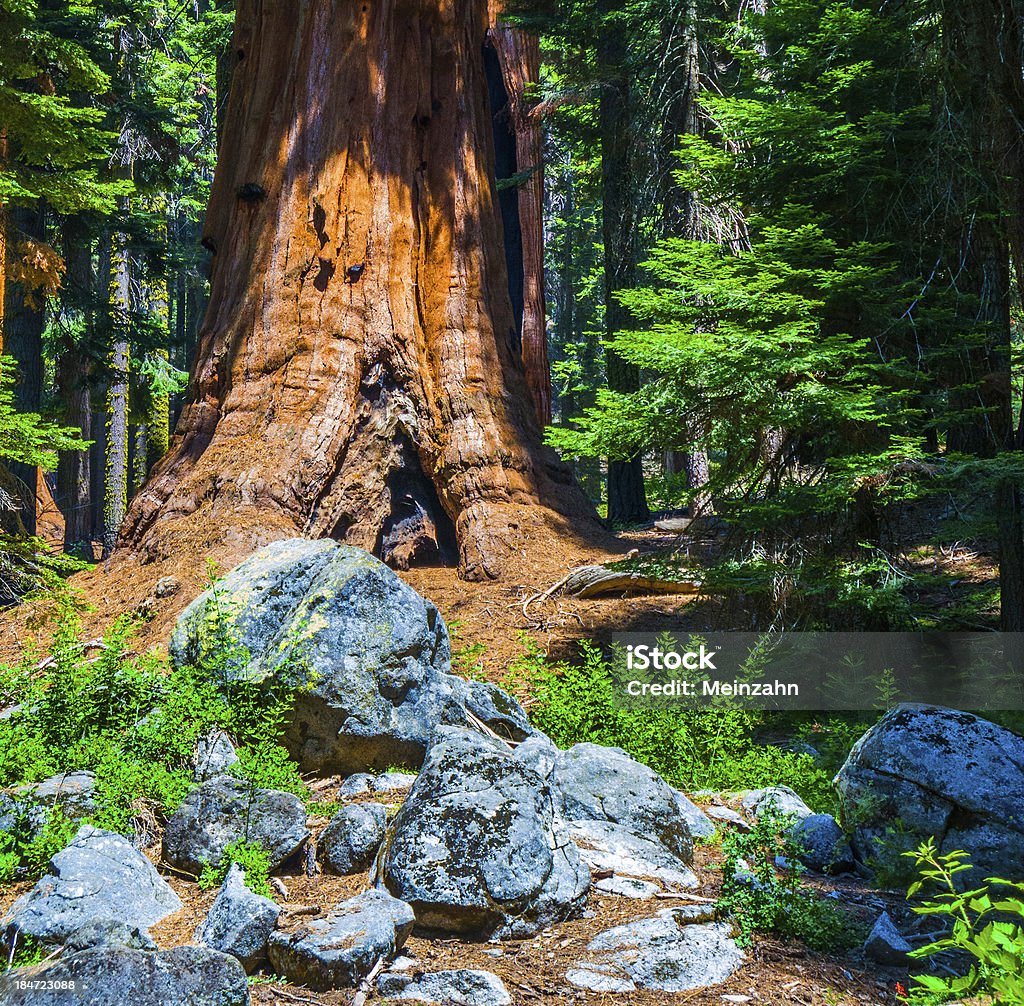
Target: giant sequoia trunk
x,y
356,374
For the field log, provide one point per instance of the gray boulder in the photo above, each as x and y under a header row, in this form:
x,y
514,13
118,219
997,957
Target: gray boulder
x,y
215,754
31,806
98,877
108,933
477,848
116,976
349,843
822,843
700,825
393,782
355,785
595,783
885,944
239,922
341,949
605,846
374,655
466,986
664,954
781,799
225,810
930,771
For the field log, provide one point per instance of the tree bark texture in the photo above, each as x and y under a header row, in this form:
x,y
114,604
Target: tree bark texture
x,y
518,55
356,374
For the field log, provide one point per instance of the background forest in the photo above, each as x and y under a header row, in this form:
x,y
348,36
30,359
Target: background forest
x,y
782,277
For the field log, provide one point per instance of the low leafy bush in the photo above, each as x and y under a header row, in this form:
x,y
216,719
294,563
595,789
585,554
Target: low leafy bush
x,y
252,857
134,720
762,898
693,749
986,932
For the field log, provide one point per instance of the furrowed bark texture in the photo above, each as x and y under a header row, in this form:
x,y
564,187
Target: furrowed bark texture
x,y
355,375
519,58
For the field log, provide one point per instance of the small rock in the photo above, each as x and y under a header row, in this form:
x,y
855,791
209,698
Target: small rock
x,y
355,785
466,986
239,922
391,782
167,586
116,976
98,877
885,944
349,843
215,754
341,949
823,845
391,984
31,805
728,816
627,887
225,810
781,799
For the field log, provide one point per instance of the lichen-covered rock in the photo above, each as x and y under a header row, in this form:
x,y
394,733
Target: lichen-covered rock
x,y
664,954
119,976
373,654
823,845
596,783
477,848
215,754
926,771
225,810
781,799
32,805
349,843
341,949
239,922
700,825
606,846
98,877
108,933
466,986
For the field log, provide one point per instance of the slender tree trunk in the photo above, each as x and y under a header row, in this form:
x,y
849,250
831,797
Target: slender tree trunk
x,y
627,498
356,363
518,55
115,490
23,340
73,469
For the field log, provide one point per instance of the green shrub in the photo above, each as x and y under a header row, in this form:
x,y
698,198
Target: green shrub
x,y
26,848
135,721
761,898
986,927
252,857
693,749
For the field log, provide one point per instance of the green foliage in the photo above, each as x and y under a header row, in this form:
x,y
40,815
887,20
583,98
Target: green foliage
x,y
252,857
985,923
27,846
135,721
692,749
763,898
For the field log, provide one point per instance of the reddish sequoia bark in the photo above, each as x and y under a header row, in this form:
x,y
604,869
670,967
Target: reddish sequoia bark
x,y
519,57
355,375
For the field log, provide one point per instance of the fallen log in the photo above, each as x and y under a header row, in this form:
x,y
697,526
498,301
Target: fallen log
x,y
593,581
